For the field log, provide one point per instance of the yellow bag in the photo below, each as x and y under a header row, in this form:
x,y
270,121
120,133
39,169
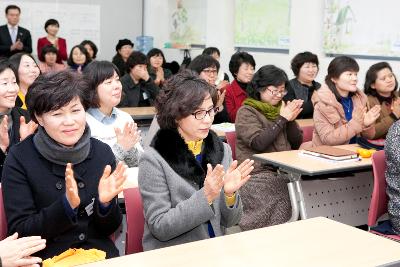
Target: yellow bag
x,y
75,256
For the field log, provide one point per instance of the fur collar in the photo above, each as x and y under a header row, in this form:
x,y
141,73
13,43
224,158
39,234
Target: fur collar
x,y
171,146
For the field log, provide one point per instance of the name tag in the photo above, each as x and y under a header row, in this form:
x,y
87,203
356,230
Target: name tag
x,y
89,208
145,96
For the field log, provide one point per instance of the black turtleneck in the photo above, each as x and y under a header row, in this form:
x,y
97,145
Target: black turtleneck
x,y
387,99
242,85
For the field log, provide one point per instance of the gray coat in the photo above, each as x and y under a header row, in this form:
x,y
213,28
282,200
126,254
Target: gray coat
x,y
171,185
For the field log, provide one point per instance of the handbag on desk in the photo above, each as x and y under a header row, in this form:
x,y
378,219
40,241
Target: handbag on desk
x,y
377,144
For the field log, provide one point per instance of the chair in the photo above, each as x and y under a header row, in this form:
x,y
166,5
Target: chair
x,y
379,200
134,220
307,133
3,220
231,140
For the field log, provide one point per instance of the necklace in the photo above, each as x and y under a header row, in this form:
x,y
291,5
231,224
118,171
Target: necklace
x,y
348,106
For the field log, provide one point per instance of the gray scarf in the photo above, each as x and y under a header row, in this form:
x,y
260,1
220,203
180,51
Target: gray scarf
x,y
58,154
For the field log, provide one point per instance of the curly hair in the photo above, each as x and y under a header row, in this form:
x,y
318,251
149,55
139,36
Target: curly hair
x,y
182,94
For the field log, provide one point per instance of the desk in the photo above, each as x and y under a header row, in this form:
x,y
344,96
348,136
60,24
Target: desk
x,y
141,113
313,242
305,122
345,200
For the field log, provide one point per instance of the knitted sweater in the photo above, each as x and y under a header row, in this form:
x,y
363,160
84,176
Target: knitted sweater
x,y
106,134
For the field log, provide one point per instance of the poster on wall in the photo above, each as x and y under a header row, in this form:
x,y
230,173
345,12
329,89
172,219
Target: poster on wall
x,y
262,24
187,23
83,24
366,28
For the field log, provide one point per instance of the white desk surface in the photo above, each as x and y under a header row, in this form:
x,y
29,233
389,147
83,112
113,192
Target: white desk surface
x,y
313,242
139,113
308,165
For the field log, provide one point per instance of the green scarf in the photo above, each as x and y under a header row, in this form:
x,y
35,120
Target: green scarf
x,y
269,111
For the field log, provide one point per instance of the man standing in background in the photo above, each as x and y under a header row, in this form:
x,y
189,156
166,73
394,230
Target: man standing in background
x,y
13,38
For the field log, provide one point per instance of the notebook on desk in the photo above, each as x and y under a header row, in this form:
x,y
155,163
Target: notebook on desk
x,y
330,152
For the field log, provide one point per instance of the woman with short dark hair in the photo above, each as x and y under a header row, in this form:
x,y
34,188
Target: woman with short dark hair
x,y
51,27
58,182
91,48
157,70
124,49
305,68
108,123
188,182
242,67
49,53
78,58
266,124
381,89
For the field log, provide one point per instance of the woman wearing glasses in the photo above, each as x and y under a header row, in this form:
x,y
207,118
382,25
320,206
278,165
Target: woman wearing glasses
x,y
266,124
188,182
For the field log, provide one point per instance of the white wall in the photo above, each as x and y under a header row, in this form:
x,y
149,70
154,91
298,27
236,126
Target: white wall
x,y
118,19
306,34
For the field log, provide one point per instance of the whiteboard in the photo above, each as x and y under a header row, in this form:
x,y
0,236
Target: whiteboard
x,y
77,21
359,27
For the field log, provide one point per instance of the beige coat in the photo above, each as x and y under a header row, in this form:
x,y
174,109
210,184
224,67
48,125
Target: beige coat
x,y
330,124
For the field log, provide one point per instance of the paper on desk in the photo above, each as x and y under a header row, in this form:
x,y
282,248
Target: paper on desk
x,y
224,127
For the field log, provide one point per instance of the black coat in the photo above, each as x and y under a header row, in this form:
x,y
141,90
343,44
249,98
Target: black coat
x,y
132,94
5,41
33,190
16,113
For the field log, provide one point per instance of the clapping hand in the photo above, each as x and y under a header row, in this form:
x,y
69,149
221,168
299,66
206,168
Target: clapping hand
x,y
236,176
111,184
213,182
291,109
128,137
71,189
4,138
26,129
371,116
16,251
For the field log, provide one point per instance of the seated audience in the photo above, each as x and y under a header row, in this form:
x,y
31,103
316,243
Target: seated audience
x,y
107,123
340,108
188,182
124,49
266,124
16,251
78,58
60,183
381,88
91,48
242,67
51,27
26,71
49,54
14,125
207,67
305,68
139,89
157,70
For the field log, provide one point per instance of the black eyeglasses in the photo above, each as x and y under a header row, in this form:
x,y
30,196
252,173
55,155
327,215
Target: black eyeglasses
x,y
201,114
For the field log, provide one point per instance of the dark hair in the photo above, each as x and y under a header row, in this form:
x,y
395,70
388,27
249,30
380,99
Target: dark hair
x,y
372,75
156,52
173,66
238,59
15,61
70,61
12,7
337,66
55,90
48,49
136,58
92,45
210,51
182,94
123,42
95,73
300,59
266,76
202,62
5,64
51,22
